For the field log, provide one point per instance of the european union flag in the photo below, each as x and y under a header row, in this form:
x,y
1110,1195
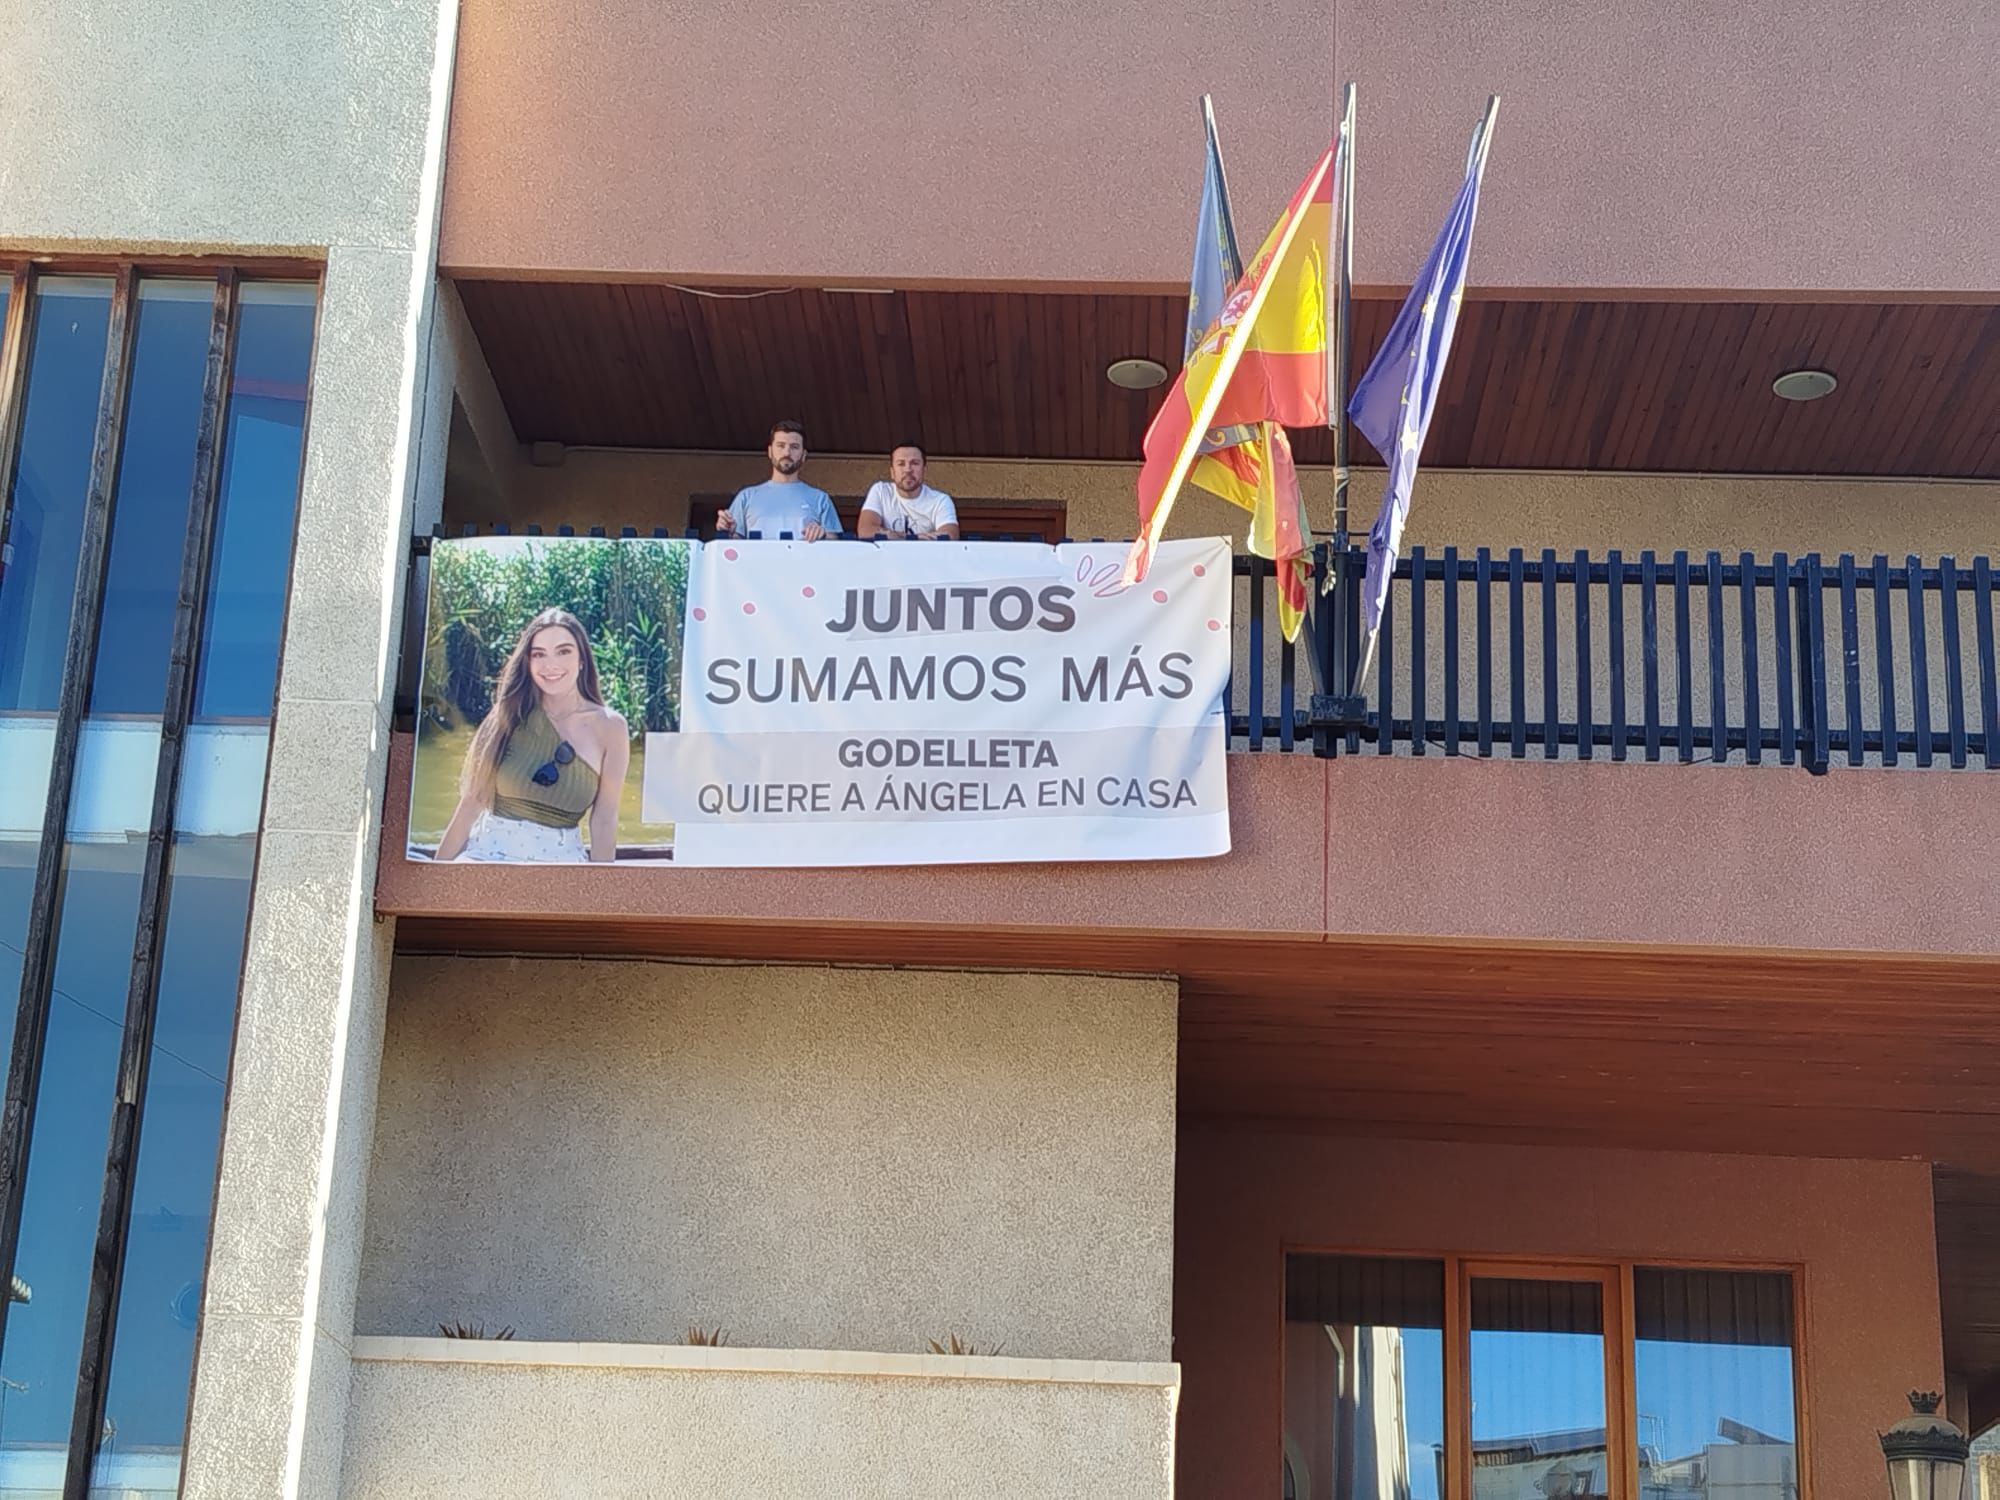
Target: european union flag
x,y
1392,404
1218,265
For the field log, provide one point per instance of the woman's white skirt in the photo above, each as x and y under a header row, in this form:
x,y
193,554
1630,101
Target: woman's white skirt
x,y
513,841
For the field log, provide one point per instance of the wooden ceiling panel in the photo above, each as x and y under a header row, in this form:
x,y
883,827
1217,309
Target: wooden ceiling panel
x,y
1604,385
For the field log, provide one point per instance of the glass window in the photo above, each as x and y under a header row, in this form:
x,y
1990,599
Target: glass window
x,y
110,809
1515,1386
152,1351
1364,1377
205,893
264,443
155,481
44,527
208,894
1536,1371
51,475
65,1182
1712,1360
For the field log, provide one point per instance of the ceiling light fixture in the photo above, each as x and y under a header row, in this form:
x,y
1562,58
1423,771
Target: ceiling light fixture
x,y
1803,385
1136,374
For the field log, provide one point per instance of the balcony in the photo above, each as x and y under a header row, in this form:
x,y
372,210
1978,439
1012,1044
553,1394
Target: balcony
x,y
447,1417
1435,810
1779,661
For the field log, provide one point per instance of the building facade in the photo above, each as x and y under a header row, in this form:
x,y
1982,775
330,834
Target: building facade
x,y
1576,1081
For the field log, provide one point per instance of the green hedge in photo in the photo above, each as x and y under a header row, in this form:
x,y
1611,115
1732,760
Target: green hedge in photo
x,y
628,593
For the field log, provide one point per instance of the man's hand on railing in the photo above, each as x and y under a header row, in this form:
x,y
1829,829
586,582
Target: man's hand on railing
x,y
812,531
725,523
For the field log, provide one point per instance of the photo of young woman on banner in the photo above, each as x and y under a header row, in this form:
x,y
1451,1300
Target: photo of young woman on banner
x,y
547,661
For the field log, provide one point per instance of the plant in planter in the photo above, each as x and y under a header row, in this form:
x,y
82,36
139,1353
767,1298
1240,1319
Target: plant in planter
x,y
464,1330
706,1338
953,1344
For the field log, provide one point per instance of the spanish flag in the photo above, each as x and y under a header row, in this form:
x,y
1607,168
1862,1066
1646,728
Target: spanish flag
x,y
1263,361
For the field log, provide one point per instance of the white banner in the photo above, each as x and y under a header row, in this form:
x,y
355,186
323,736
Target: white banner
x,y
946,703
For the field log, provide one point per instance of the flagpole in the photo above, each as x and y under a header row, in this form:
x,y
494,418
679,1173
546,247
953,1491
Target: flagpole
x,y
1340,346
1475,163
1222,173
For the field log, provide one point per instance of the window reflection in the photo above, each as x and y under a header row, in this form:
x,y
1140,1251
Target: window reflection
x,y
206,889
159,1306
1364,1378
155,480
65,1181
263,445
66,331
208,895
1537,1377
52,473
1713,1361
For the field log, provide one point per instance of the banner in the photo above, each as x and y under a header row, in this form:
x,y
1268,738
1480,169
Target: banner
x,y
755,703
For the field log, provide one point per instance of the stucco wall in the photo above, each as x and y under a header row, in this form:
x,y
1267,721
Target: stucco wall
x,y
809,1158
435,1419
1467,508
1862,1231
1836,145
182,125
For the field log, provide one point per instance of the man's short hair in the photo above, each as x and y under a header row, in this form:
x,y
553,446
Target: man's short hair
x,y
898,447
787,425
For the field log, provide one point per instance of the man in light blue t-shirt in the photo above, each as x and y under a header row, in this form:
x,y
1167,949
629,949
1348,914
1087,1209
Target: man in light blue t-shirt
x,y
784,502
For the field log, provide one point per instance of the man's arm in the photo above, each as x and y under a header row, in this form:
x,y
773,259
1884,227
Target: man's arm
x,y
947,519
872,522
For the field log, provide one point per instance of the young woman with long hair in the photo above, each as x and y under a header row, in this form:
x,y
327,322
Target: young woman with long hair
x,y
547,754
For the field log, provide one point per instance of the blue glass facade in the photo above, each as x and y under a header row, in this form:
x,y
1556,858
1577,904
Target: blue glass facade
x,y
50,1358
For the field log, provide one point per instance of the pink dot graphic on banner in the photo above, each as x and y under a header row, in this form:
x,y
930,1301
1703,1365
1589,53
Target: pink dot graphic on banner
x,y
1159,596
700,613
729,553
749,608
1201,570
807,591
1215,624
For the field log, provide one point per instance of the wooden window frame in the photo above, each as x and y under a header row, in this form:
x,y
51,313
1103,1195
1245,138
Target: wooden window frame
x,y
1615,1275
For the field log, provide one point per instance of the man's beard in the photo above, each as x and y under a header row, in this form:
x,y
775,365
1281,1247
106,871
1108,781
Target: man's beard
x,y
788,465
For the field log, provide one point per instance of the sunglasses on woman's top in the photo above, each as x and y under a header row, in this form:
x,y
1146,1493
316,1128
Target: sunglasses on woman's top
x,y
550,769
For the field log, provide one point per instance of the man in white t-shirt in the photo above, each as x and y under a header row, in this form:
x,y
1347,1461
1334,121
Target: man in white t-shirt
x,y
903,505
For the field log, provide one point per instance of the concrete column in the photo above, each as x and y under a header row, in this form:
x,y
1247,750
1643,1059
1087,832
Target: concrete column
x,y
272,1375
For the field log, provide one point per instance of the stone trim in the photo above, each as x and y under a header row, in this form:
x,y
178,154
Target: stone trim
x,y
693,1358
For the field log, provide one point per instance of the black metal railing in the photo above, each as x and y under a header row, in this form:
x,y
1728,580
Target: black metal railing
x,y
1797,661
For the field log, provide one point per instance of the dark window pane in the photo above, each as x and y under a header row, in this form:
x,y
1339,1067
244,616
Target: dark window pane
x,y
1537,1377
45,523
263,444
59,421
174,1188
1712,1357
155,479
66,1152
1364,1377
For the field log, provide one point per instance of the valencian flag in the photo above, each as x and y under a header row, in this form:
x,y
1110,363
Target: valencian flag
x,y
1393,402
1263,360
1247,464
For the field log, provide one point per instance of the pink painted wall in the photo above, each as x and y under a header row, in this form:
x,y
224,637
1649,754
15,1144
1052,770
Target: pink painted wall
x,y
1861,1230
1826,145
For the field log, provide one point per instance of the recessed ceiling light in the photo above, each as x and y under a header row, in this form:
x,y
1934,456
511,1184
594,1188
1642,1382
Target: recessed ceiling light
x,y
1803,385
1136,374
